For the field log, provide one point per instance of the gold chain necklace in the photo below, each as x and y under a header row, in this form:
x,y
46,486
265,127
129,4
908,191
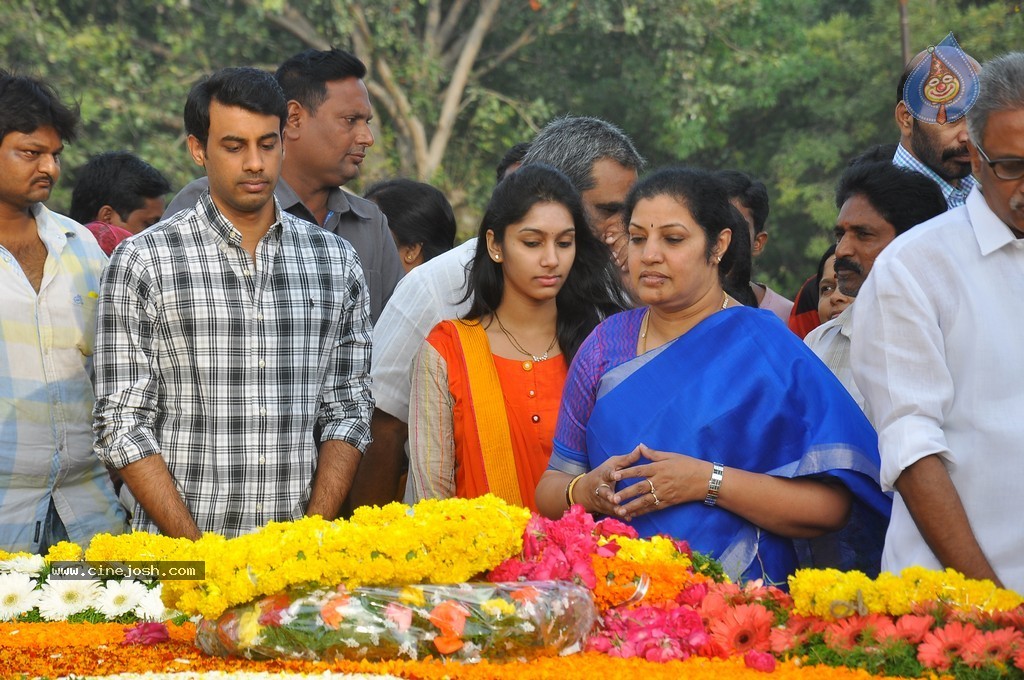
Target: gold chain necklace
x,y
647,317
519,348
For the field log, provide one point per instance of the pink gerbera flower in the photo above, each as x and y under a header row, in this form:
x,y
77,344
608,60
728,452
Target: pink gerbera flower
x,y
991,647
743,627
941,647
912,628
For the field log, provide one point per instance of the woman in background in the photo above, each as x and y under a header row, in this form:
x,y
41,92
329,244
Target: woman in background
x,y
486,388
709,421
420,217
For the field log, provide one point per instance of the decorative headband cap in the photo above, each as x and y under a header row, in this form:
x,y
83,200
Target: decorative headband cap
x,y
943,87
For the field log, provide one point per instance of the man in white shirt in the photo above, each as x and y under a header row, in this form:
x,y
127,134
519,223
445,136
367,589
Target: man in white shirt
x,y
936,354
602,163
877,202
750,197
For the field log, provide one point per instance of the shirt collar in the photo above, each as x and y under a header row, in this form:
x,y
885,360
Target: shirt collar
x,y
337,203
52,231
955,196
989,230
223,227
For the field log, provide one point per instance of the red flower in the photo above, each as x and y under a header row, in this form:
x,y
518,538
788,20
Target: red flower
x,y
912,628
525,594
759,661
147,633
942,646
609,527
991,647
450,618
331,611
859,630
743,627
272,608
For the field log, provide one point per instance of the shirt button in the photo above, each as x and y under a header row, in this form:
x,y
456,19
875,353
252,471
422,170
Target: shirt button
x,y
263,411
262,363
532,394
527,366
535,418
259,316
263,459
259,506
247,271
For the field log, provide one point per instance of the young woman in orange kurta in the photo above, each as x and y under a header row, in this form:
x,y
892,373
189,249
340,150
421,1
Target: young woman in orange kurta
x,y
486,389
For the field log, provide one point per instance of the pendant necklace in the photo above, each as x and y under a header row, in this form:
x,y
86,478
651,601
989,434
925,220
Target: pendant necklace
x,y
519,348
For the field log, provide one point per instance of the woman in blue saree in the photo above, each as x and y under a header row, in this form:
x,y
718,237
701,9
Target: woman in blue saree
x,y
708,421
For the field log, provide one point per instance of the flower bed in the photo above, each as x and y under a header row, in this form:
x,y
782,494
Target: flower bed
x,y
664,611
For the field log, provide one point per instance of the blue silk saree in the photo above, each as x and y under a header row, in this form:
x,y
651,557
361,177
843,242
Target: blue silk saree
x,y
740,389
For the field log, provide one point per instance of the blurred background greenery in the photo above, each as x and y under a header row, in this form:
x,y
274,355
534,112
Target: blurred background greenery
x,y
787,90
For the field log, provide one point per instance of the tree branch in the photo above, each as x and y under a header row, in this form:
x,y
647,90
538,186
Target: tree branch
x,y
294,22
460,76
409,125
451,21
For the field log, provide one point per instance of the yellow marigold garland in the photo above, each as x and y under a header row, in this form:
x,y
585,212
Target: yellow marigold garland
x,y
831,594
435,541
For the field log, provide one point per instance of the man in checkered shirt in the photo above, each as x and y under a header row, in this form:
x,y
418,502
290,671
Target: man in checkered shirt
x,y
229,334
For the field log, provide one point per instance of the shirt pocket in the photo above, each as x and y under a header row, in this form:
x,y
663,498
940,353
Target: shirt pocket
x,y
85,317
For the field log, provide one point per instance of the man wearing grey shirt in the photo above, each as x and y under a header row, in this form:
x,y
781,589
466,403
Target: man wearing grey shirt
x,y
326,137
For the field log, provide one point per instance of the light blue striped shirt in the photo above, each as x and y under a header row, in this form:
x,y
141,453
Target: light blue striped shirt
x,y
955,196
46,394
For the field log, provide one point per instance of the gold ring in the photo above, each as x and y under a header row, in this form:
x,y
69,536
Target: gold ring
x,y
651,483
597,491
657,501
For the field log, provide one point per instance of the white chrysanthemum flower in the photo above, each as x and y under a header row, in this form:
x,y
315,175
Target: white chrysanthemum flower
x,y
151,607
17,595
120,597
24,564
59,599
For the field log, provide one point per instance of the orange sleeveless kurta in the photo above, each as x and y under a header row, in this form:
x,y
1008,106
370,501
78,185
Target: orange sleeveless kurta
x,y
530,393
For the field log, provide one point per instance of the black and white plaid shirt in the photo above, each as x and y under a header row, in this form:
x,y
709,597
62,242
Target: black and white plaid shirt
x,y
225,367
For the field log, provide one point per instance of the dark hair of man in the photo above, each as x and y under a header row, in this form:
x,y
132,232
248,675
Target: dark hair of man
x,y
829,252
119,179
511,157
905,76
708,201
304,77
592,289
902,197
27,104
243,86
574,144
1002,89
752,193
875,154
417,214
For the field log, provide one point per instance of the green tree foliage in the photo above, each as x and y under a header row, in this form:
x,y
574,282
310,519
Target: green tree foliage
x,y
788,90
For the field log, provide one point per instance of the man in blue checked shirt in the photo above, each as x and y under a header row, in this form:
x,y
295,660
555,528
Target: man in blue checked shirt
x,y
228,334
937,89
52,487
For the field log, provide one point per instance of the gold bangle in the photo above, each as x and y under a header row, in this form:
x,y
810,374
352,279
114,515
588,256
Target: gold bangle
x,y
568,489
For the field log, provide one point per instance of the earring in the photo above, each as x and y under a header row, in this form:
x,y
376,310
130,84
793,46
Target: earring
x,y
408,258
497,258
718,259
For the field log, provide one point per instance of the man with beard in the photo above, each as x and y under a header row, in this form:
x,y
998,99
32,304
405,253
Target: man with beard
x,y
877,202
937,88
937,355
